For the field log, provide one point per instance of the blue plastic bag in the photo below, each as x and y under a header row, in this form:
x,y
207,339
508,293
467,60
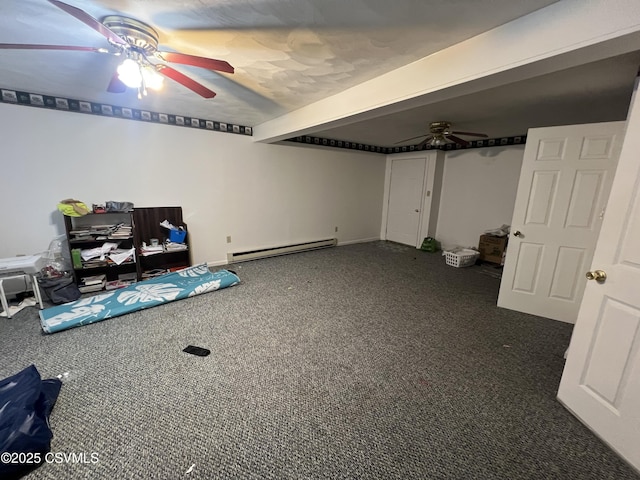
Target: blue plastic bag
x,y
26,402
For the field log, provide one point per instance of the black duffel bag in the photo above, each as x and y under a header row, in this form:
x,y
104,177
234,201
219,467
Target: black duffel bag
x,y
59,289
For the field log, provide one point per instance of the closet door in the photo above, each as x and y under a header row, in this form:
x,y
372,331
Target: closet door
x,y
406,193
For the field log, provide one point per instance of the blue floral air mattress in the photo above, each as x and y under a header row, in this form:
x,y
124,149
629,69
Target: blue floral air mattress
x,y
173,286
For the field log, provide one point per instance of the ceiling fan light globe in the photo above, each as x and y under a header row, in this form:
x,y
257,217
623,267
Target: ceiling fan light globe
x,y
437,141
152,79
129,73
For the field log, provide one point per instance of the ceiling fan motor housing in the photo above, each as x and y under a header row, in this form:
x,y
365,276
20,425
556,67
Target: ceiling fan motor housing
x,y
139,35
440,128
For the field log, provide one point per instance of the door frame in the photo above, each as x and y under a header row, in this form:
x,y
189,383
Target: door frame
x,y
430,188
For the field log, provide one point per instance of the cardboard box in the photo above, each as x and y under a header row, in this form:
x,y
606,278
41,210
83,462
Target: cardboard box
x,y
492,249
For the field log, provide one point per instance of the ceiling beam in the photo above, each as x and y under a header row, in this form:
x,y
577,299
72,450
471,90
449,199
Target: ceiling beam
x,y
563,35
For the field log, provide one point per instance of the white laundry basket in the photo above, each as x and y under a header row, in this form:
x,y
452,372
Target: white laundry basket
x,y
461,258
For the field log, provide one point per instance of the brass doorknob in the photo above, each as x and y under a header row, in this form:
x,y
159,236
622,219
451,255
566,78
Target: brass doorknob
x,y
598,275
517,233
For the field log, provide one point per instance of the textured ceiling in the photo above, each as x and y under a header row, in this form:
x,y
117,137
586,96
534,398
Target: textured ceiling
x,y
288,54
595,92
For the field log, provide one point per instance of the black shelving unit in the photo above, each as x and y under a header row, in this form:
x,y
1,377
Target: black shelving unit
x,y
92,231
89,231
146,222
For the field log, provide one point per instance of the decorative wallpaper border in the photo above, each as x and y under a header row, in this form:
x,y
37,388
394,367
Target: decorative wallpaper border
x,y
93,108
106,110
485,142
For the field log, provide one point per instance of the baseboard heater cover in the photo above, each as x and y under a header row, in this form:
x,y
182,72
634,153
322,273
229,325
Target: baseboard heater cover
x,y
283,250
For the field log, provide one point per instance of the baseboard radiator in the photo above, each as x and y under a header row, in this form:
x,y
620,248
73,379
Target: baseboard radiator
x,y
283,250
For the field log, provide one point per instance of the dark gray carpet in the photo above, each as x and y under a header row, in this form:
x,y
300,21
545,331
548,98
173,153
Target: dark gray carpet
x,y
363,361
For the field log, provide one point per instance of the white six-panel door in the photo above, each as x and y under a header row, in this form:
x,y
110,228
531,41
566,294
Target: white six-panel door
x,y
601,379
562,193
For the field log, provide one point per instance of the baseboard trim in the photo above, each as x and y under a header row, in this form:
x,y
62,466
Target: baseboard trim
x,y
360,240
218,263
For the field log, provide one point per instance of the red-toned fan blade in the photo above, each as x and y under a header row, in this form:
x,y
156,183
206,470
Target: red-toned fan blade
x,y
116,85
424,142
462,142
18,46
471,134
89,20
202,62
186,81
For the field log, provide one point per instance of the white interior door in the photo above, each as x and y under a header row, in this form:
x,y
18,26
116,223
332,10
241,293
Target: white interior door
x,y
405,199
564,184
601,379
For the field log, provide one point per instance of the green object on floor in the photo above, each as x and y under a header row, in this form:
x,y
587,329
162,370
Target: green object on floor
x,y
430,244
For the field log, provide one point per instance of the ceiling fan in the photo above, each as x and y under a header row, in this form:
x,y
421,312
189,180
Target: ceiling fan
x,y
440,133
138,43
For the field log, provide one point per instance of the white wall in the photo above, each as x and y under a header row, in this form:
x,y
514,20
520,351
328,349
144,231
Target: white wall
x,y
260,195
478,193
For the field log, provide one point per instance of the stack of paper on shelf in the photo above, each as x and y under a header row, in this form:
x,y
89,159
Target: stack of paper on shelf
x,y
121,231
174,247
93,283
147,250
